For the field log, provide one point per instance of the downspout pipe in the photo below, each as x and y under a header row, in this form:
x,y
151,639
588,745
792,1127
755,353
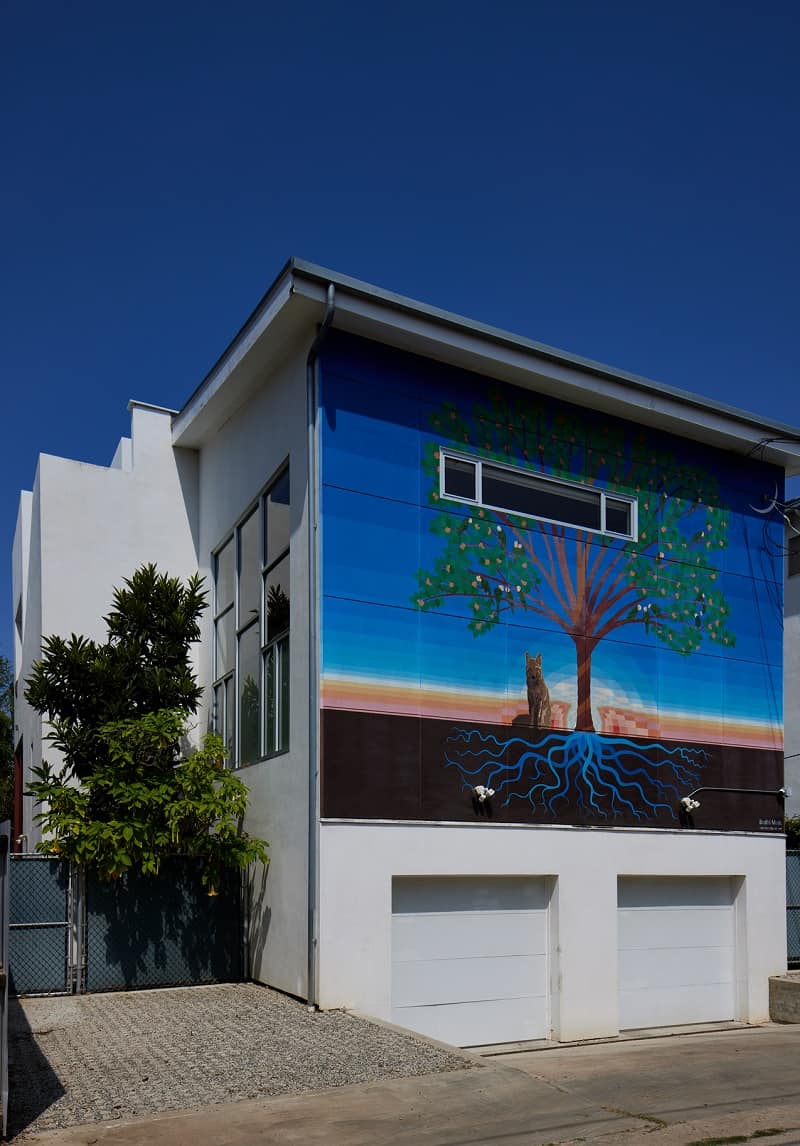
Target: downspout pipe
x,y
312,401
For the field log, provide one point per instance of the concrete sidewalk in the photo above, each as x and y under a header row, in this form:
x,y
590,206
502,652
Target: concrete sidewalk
x,y
737,1086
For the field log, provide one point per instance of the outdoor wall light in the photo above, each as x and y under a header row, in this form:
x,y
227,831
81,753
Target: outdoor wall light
x,y
689,804
482,794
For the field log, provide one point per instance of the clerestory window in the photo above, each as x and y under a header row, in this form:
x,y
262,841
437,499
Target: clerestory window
x,y
527,494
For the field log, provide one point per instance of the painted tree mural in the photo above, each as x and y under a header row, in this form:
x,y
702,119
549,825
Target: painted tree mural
x,y
587,584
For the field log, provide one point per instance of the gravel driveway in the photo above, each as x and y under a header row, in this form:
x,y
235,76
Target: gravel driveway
x,y
96,1057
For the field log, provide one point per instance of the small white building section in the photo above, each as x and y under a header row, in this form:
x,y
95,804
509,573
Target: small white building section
x,y
80,532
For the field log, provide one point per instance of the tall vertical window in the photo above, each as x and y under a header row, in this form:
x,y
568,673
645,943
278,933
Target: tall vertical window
x,y
275,629
225,645
251,630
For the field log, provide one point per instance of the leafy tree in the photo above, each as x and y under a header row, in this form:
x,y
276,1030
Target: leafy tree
x,y
128,814
792,828
119,711
6,740
588,585
142,667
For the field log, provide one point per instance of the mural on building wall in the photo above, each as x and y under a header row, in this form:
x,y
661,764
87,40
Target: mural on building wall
x,y
588,585
586,675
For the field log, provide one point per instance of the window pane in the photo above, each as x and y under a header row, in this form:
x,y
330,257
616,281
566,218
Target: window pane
x,y
459,478
249,694
537,497
249,570
618,516
229,734
218,710
270,708
224,577
225,644
276,589
276,519
282,649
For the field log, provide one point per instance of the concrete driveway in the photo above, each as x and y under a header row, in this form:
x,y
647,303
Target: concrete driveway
x,y
701,1089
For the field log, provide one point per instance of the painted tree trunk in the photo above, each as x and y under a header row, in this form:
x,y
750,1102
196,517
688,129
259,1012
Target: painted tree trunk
x,y
583,720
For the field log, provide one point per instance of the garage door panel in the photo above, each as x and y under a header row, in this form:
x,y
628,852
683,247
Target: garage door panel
x,y
689,967
469,893
675,927
676,1006
466,980
450,935
677,951
470,957
478,1023
675,891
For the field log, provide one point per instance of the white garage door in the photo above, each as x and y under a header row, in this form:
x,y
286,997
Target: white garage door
x,y
677,948
469,958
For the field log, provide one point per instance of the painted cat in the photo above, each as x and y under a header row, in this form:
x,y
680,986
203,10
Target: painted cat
x,y
538,692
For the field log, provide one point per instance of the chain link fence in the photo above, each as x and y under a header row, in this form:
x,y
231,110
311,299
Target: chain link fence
x,y
72,932
793,908
164,930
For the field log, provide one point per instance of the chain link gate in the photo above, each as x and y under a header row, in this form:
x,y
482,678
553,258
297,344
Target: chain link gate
x,y
45,941
793,908
72,932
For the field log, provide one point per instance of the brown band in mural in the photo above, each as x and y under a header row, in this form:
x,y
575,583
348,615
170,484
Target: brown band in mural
x,y
378,766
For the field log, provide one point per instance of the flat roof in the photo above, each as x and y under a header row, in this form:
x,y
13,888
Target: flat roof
x,y
371,311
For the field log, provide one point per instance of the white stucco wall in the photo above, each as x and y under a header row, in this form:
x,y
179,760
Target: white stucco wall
x,y
235,465
90,527
84,528
356,933
27,607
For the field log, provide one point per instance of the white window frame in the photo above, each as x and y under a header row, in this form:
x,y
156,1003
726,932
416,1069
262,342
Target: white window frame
x,y
473,459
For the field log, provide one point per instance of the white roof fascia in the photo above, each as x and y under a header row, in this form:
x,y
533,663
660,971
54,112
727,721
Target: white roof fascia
x,y
298,298
461,343
194,420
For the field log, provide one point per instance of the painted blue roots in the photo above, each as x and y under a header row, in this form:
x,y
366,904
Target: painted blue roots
x,y
600,775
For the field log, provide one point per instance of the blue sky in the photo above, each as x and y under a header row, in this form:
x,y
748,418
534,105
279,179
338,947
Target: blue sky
x,y
619,179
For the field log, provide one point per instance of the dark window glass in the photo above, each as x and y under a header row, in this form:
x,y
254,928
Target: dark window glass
x,y
218,713
249,695
229,735
276,589
537,497
270,707
225,643
225,575
283,685
276,519
618,516
459,478
249,570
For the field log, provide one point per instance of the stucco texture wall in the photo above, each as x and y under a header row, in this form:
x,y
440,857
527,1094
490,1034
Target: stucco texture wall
x,y
238,461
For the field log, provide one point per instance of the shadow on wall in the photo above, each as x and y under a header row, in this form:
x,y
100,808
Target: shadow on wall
x,y
33,1085
260,918
165,930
